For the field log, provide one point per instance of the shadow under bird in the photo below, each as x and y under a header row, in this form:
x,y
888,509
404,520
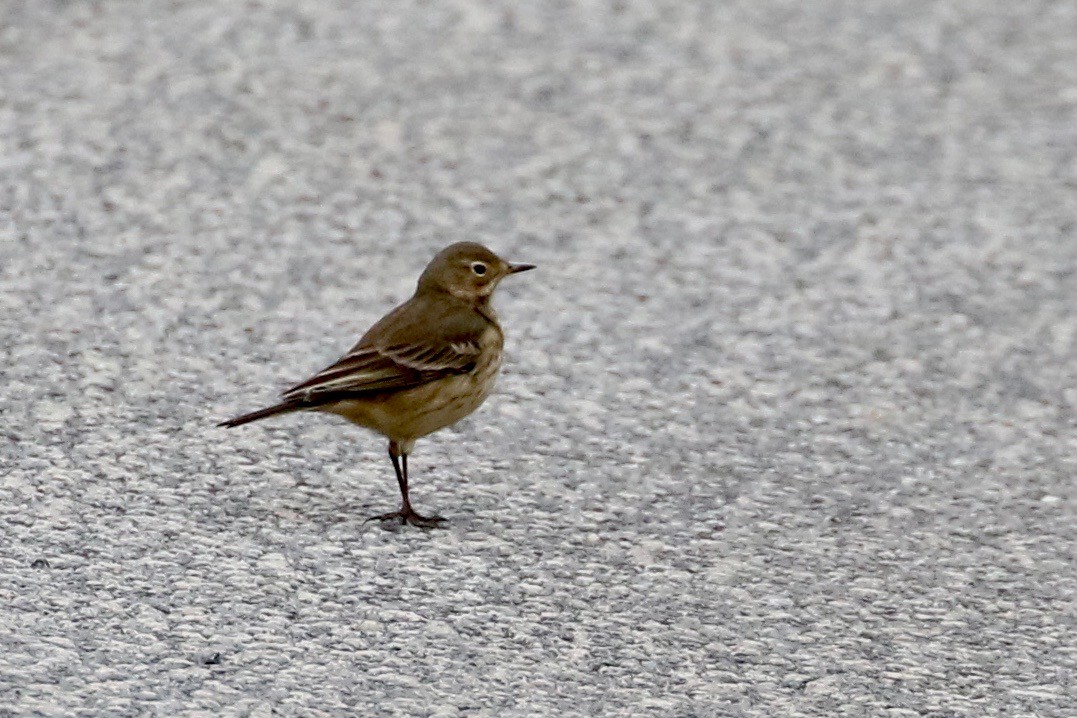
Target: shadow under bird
x,y
424,366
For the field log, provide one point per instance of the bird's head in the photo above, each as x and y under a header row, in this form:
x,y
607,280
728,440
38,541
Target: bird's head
x,y
468,271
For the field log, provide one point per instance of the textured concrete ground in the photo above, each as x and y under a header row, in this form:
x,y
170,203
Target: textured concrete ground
x,y
787,421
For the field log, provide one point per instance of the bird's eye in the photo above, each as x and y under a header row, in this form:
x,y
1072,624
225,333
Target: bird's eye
x,y
478,268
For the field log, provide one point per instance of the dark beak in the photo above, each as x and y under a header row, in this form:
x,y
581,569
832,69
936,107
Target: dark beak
x,y
514,268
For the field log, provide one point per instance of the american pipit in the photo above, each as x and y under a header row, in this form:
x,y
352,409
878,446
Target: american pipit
x,y
424,366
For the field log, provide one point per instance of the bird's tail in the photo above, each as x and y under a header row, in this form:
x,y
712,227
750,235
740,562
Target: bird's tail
x,y
284,407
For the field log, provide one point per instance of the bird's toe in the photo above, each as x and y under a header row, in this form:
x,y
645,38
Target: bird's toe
x,y
408,516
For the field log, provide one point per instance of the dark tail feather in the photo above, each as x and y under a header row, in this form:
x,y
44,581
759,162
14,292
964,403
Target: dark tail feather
x,y
282,408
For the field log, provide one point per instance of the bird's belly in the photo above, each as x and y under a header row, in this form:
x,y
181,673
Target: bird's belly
x,y
416,412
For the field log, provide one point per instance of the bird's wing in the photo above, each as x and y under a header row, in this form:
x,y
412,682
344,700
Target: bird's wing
x,y
402,354
370,370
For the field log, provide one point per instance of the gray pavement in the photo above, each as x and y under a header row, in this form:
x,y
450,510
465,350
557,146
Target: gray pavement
x,y
786,426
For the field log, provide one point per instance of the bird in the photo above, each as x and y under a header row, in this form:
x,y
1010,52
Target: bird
x,y
424,366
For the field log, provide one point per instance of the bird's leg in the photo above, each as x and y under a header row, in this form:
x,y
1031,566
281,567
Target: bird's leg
x,y
406,514
410,516
401,478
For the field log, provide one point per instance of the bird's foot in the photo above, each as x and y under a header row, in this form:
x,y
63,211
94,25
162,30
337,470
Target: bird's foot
x,y
408,515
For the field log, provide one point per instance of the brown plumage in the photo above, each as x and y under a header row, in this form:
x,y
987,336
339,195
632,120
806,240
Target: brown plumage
x,y
424,366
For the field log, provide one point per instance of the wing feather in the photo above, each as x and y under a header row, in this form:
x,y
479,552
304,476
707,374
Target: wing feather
x,y
390,359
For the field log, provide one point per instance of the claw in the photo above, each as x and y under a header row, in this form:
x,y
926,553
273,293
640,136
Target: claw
x,y
408,516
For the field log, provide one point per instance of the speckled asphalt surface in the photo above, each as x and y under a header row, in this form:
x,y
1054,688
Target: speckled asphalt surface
x,y
786,426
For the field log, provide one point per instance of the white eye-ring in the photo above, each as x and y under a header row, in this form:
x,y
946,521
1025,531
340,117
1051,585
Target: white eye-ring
x,y
478,268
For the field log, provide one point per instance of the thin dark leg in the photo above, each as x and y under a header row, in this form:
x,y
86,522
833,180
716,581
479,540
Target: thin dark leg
x,y
406,514
401,479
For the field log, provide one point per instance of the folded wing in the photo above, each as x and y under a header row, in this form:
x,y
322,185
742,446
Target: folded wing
x,y
417,343
373,369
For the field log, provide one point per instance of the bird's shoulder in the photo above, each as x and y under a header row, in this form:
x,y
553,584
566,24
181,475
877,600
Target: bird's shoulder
x,y
428,320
